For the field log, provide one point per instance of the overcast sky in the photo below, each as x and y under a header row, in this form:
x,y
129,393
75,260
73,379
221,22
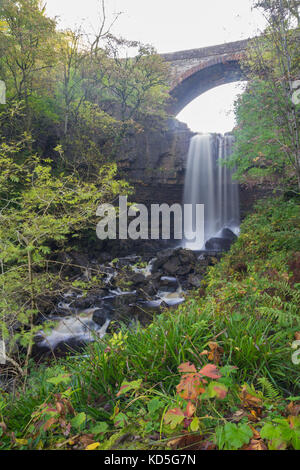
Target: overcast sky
x,y
173,25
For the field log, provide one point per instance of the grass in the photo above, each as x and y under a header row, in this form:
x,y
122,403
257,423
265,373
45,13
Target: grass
x,y
250,309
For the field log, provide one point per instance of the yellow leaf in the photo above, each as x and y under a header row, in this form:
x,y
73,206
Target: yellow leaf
x,y
22,442
93,446
195,424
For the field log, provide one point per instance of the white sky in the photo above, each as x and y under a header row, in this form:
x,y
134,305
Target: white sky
x,y
173,25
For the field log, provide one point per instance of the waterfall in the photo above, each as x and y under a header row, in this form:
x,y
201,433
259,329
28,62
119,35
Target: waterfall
x,y
228,207
209,182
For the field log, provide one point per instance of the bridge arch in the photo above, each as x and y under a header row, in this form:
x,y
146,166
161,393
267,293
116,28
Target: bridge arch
x,y
199,70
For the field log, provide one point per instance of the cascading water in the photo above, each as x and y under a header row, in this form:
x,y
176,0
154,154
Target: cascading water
x,y
199,187
209,182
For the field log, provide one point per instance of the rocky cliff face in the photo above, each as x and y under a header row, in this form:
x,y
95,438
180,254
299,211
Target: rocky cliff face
x,y
154,162
156,156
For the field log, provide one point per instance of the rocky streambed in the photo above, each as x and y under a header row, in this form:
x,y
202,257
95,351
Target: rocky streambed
x,y
133,289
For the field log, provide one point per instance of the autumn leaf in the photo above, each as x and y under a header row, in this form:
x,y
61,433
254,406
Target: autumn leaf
x,y
49,423
293,409
21,442
215,352
190,387
255,444
210,371
187,368
249,400
190,409
256,434
129,386
188,442
217,390
60,407
86,439
174,417
238,416
3,426
93,446
255,415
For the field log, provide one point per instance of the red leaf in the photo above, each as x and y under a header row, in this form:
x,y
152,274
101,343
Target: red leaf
x,y
211,371
190,387
174,417
49,423
190,409
220,391
187,367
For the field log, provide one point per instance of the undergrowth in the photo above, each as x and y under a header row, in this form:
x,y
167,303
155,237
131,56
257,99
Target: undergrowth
x,y
220,372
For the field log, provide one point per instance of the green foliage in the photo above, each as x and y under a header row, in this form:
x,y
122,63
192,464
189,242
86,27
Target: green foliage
x,y
76,95
233,436
282,433
260,152
41,213
267,134
129,383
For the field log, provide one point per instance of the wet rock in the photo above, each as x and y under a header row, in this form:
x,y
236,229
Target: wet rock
x,y
228,234
128,261
172,266
147,291
194,280
186,256
155,277
71,333
137,279
178,262
162,258
218,244
104,257
93,299
100,317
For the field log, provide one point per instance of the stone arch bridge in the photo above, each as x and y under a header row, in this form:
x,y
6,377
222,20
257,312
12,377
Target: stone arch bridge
x,y
155,161
196,71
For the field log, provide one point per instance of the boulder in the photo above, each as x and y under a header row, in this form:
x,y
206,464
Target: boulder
x,y
228,234
137,279
218,244
100,316
194,280
178,262
171,266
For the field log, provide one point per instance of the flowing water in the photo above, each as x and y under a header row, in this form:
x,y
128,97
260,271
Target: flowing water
x,y
209,182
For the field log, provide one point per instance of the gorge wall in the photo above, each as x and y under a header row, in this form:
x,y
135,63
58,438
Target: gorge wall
x,y
154,162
